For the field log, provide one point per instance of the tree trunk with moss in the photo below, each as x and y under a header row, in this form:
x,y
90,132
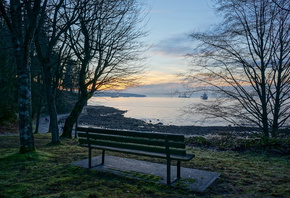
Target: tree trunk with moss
x,y
24,107
21,19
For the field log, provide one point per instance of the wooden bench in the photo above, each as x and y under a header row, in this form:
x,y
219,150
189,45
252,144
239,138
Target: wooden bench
x,y
160,145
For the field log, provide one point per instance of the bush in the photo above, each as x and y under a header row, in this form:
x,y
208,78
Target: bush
x,y
7,113
235,143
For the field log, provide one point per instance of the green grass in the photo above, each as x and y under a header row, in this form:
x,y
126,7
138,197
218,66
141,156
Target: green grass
x,y
48,173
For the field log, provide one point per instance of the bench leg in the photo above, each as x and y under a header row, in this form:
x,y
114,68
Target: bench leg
x,y
178,169
90,157
103,157
168,172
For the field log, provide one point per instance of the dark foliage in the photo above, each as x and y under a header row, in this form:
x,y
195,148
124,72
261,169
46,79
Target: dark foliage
x,y
279,146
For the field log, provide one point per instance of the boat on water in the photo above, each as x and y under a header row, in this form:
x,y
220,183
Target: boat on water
x,y
183,96
204,96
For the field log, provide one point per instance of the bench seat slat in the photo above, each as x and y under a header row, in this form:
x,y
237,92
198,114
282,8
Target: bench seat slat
x,y
133,146
117,138
132,133
186,157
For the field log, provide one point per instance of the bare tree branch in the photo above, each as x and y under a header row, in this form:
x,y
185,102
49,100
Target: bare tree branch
x,y
105,40
247,60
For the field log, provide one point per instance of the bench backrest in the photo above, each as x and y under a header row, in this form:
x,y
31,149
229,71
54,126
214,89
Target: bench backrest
x,y
133,140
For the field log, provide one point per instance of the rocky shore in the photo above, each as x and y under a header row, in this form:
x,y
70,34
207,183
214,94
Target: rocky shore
x,y
108,117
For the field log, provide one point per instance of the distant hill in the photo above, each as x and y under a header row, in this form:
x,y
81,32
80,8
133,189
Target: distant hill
x,y
117,94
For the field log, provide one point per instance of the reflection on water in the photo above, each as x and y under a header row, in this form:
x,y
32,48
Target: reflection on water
x,y
168,111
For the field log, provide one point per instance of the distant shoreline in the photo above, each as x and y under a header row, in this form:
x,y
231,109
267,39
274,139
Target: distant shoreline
x,y
109,117
118,94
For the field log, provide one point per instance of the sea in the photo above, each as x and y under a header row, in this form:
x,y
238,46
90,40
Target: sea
x,y
165,110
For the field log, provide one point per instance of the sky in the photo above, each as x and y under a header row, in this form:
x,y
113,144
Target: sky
x,y
169,22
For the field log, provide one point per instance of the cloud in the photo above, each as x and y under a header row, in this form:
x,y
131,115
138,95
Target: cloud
x,y
177,45
161,77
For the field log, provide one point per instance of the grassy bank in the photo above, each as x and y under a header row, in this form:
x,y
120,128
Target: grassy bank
x,y
47,173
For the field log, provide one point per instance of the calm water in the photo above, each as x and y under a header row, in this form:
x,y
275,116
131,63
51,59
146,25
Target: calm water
x,y
168,111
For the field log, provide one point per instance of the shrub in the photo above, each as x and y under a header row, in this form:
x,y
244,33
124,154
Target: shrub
x,y
229,142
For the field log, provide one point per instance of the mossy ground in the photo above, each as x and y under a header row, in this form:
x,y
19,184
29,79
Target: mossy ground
x,y
48,173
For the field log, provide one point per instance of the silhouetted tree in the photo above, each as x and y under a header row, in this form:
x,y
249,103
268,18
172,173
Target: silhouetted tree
x,y
246,59
105,42
8,81
21,19
52,50
37,89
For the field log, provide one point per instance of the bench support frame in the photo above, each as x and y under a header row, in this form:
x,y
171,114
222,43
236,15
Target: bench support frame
x,y
168,158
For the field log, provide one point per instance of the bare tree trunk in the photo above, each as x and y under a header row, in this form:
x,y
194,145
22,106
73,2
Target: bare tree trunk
x,y
50,94
38,115
53,125
264,103
72,118
39,104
